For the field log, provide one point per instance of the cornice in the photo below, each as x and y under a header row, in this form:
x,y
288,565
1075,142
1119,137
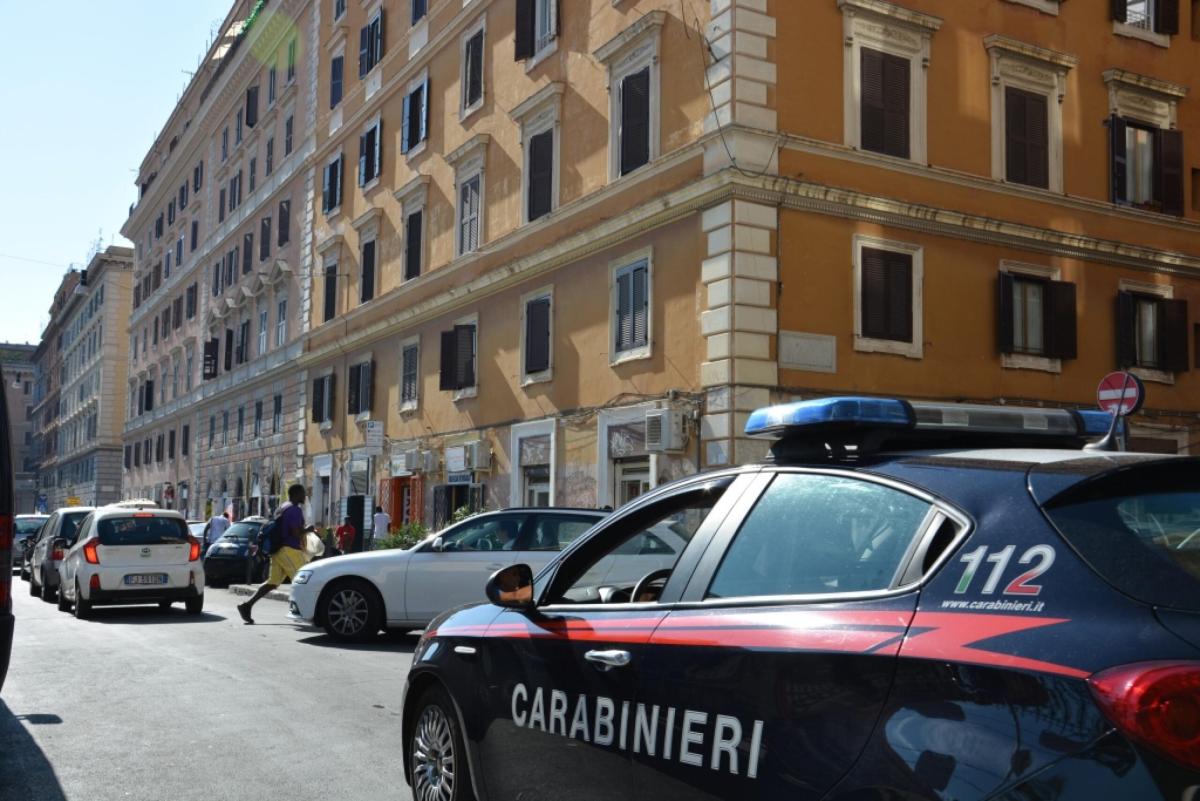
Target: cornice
x,y
892,13
1031,51
1171,91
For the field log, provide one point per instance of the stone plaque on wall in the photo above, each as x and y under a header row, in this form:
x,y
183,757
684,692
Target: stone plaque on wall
x,y
535,450
627,440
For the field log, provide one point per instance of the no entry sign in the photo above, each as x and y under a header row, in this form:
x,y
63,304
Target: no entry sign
x,y
1120,393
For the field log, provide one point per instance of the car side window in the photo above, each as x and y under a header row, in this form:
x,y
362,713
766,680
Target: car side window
x,y
84,529
644,545
491,534
820,534
552,533
70,528
48,529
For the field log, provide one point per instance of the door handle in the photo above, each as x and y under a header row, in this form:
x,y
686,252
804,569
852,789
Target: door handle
x,y
493,568
607,660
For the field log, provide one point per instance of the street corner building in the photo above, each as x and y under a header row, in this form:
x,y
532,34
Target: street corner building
x,y
436,255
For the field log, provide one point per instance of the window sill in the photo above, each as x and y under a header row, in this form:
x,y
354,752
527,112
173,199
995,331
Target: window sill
x,y
408,407
416,150
1149,374
466,394
1045,6
470,111
1027,361
326,426
333,213
1134,32
634,355
362,417
544,377
541,55
370,185
909,350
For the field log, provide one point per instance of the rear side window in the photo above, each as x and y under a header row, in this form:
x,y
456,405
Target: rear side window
x,y
554,533
142,531
812,534
69,530
1139,528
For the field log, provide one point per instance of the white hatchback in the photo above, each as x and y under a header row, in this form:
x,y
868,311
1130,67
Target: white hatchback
x,y
132,555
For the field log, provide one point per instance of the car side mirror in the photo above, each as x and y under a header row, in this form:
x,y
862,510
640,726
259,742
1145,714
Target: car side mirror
x,y
60,544
438,544
511,587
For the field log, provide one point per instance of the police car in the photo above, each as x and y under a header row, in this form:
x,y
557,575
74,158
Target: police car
x,y
908,601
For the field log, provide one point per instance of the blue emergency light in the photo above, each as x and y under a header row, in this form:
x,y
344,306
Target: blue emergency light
x,y
867,423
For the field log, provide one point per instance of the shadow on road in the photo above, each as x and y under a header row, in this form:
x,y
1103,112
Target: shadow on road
x,y
400,642
25,773
147,615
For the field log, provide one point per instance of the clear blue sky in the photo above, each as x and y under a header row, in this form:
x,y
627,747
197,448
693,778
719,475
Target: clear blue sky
x,y
87,86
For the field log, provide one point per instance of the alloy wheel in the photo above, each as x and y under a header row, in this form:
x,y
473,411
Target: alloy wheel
x,y
347,612
433,767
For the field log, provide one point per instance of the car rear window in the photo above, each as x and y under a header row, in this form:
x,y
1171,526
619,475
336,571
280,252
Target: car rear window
x,y
1139,528
23,528
240,532
142,531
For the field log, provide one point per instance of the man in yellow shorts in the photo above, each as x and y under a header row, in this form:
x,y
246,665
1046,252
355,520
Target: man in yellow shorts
x,y
289,558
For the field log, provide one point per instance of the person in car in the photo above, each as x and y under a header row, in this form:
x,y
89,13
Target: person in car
x,y
289,558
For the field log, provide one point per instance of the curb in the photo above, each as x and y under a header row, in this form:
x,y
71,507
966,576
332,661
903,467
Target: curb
x,y
250,589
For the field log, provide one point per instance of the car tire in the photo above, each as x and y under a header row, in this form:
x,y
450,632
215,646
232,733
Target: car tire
x,y
63,604
350,610
48,594
83,608
437,760
164,605
33,586
195,605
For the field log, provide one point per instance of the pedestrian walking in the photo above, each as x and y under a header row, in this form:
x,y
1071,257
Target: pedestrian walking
x,y
381,524
216,528
291,556
345,535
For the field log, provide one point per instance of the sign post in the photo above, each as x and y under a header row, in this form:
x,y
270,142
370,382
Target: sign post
x,y
1120,394
374,437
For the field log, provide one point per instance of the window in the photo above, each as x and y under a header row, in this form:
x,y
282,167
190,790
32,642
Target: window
x,y
370,44
225,143
291,61
289,125
412,244
253,172
1152,330
272,84
277,415
247,250
1027,155
458,358
212,431
418,10
360,389
410,366
1150,16
243,346
472,71
885,103
185,438
281,323
336,68
252,106
539,117
634,133
171,444
195,236
221,207
330,291
339,8
269,163
415,116
323,398
237,127
366,284
1037,315
1147,169
264,239
241,422
631,309
536,28
843,535
197,176
469,214
537,348
887,279
258,419
211,349
189,366
370,154
285,222
331,186
224,428
263,327
171,213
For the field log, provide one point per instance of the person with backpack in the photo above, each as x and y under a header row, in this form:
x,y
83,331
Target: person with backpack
x,y
283,540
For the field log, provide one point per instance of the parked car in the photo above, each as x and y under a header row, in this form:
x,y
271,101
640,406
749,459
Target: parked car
x,y
25,532
196,529
127,555
62,526
6,510
235,557
354,596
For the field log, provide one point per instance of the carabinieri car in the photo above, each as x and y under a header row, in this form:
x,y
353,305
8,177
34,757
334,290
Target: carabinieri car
x,y
907,601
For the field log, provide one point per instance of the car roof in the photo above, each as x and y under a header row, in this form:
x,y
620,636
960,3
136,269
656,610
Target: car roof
x,y
31,517
63,510
126,511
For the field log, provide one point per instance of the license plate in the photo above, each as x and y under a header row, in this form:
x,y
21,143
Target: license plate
x,y
146,578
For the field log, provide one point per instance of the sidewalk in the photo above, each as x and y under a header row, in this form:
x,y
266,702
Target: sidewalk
x,y
280,594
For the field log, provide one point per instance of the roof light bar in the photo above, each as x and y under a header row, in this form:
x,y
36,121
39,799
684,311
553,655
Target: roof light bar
x,y
822,414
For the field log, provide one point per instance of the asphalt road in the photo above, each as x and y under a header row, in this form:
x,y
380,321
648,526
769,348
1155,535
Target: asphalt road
x,y
144,705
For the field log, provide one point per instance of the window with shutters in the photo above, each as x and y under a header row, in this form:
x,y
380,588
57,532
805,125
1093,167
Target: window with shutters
x,y
331,276
291,60
410,370
418,9
221,206
272,83
195,240
536,31
414,116
237,126
1146,167
247,249
241,423
289,126
471,77
336,72
339,8
225,143
269,158
360,388
370,155
366,281
885,81
258,419
633,73
631,308
470,210
285,222
537,347
185,436
277,415
1152,331
323,399
263,328
370,44
253,171
212,431
252,106
331,186
413,236
281,308
458,367
1035,317
264,239
887,288
1155,21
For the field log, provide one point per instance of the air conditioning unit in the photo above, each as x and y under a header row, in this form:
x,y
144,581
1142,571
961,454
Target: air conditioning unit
x,y
664,430
412,460
479,454
428,461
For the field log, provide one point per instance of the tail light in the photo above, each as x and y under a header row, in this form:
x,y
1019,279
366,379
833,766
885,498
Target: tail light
x,y
1156,704
57,554
194,553
90,553
6,532
94,584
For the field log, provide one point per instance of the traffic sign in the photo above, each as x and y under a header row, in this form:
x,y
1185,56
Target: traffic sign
x,y
1120,393
374,437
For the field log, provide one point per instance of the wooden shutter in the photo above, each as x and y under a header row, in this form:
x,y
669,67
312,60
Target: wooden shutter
x,y
365,403
171,444
1117,158
896,92
285,222
377,145
418,10
541,174
1126,325
379,36
465,355
639,303
331,403
1166,17
247,250
448,378
336,67
318,399
1059,320
251,106
228,349
330,291
364,56
624,313
424,108
325,189
1027,138
264,241
362,159
524,32
185,440
900,299
537,335
871,105
150,396
336,181
1170,166
405,122
874,294
245,340
367,288
1173,335
352,389
412,253
635,120
1119,9
408,378
1004,313
474,70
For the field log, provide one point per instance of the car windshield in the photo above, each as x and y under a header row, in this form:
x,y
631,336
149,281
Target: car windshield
x,y
135,530
1139,528
25,527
